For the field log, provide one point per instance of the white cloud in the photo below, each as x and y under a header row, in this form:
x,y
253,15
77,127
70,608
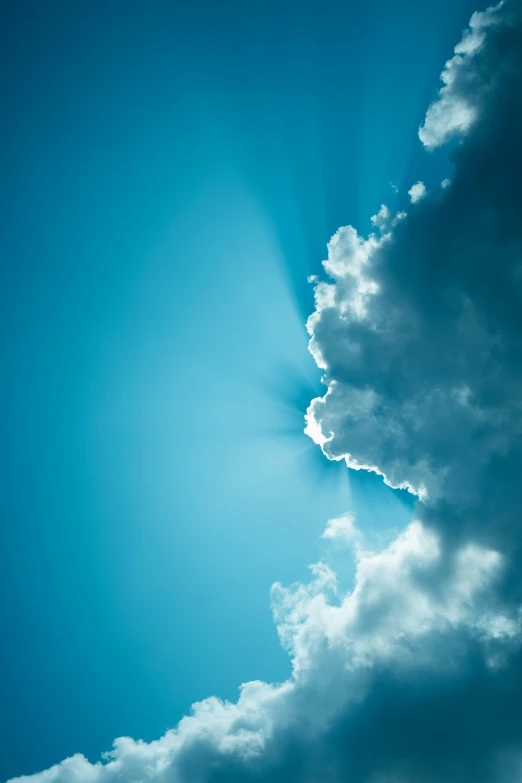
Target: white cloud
x,y
416,192
455,109
388,613
336,643
419,333
398,217
343,527
383,218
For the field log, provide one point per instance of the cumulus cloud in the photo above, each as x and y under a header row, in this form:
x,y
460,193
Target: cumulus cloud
x,y
340,645
343,527
416,192
419,330
456,108
383,217
415,674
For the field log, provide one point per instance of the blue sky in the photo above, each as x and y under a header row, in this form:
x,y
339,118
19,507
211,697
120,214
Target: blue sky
x,y
171,177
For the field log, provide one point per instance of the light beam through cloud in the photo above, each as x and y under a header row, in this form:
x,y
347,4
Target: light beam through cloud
x,y
415,674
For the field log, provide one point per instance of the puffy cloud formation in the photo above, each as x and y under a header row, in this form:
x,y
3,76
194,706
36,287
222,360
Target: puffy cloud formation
x,y
414,675
456,108
343,528
417,191
341,647
419,329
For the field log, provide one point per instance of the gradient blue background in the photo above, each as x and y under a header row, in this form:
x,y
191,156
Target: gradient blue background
x,y
170,176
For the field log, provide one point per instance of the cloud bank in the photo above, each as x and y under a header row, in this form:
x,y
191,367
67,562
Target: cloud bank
x,y
415,675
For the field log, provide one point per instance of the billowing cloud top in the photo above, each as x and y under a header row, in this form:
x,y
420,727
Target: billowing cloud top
x,y
415,675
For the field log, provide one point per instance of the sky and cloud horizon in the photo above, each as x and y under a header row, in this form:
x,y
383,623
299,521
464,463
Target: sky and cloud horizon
x,y
405,643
